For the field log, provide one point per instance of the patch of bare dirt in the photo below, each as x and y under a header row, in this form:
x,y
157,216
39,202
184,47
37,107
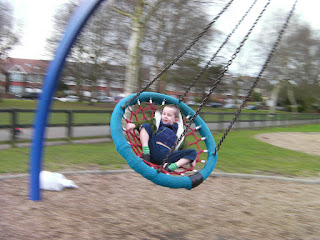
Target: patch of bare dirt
x,y
127,206
307,142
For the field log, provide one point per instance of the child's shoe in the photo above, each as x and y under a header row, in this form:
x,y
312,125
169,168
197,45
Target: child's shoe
x,y
146,157
166,168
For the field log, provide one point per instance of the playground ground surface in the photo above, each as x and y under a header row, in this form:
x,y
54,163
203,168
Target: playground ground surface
x,y
128,206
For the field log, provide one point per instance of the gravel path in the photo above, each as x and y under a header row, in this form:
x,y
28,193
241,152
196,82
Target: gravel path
x,y
127,206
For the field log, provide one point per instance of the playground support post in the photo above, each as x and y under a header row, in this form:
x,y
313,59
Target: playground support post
x,y
76,24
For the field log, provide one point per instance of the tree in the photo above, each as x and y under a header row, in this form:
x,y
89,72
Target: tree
x,y
86,61
135,34
62,86
159,31
171,29
299,60
295,64
257,97
60,20
8,36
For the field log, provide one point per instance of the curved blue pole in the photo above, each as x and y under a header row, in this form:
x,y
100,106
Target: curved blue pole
x,y
76,24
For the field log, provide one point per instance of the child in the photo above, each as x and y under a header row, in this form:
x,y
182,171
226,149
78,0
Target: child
x,y
156,146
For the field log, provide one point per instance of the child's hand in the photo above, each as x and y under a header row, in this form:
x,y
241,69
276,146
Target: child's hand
x,y
130,126
193,164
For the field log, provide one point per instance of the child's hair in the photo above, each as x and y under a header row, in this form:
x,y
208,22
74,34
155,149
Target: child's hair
x,y
177,112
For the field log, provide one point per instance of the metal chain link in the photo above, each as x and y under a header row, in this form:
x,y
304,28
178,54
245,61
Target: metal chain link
x,y
204,101
285,25
216,53
179,55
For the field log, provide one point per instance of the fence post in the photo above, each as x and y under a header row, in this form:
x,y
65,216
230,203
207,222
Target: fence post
x,y
252,119
203,116
13,126
262,123
69,126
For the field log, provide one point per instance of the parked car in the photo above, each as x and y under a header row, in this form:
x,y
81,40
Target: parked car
x,y
279,108
118,99
230,105
191,103
251,107
70,98
30,95
105,99
215,105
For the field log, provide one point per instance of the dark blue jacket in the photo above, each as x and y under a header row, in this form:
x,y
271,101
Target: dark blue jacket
x,y
167,134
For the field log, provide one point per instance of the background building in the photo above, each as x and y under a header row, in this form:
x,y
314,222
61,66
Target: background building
x,y
20,76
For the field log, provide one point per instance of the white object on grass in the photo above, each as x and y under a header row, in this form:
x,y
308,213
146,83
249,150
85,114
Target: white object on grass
x,y
55,181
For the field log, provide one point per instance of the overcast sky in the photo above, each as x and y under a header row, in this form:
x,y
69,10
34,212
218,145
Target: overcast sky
x,y
36,17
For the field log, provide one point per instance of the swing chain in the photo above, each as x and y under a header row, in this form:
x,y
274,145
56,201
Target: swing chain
x,y
275,46
215,54
196,39
225,69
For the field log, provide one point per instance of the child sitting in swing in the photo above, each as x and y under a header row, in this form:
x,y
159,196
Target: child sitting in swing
x,y
156,146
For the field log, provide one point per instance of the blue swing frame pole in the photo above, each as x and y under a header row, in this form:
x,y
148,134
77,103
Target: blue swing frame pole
x,y
76,24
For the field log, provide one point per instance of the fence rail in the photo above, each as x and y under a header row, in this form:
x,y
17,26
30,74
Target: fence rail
x,y
10,119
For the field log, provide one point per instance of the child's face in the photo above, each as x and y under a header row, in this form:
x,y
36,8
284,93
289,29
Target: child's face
x,y
168,115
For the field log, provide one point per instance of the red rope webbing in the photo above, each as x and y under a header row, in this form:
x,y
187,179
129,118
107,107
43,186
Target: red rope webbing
x,y
142,110
134,140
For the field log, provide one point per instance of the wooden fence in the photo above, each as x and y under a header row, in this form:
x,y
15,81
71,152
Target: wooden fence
x,y
10,119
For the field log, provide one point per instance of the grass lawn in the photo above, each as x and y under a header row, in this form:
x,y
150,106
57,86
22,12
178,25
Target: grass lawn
x,y
55,118
102,118
240,152
61,158
32,104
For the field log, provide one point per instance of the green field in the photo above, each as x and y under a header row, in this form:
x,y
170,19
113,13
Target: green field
x,y
32,104
62,118
55,118
27,118
240,153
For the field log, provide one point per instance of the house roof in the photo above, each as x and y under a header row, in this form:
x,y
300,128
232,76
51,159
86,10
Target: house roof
x,y
25,65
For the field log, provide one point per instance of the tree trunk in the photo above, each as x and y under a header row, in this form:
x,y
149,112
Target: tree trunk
x,y
292,99
274,97
7,84
133,67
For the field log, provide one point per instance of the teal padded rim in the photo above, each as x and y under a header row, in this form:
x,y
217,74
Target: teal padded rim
x,y
136,163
